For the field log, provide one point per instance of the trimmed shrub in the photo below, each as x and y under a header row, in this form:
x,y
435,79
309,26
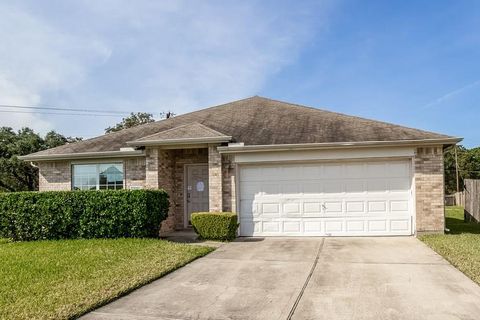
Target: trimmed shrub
x,y
215,225
82,214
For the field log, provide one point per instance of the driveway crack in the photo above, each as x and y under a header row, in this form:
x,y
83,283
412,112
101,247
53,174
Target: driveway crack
x,y
307,280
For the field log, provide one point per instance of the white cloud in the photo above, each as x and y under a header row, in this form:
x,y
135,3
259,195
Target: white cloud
x,y
147,55
36,59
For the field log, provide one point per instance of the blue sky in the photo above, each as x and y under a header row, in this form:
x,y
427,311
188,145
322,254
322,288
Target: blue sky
x,y
414,63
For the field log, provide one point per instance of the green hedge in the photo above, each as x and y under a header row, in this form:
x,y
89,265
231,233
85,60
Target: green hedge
x,y
82,214
215,225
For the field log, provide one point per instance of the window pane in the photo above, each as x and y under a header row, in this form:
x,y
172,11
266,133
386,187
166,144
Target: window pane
x,y
97,176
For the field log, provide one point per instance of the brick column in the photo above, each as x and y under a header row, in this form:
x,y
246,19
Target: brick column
x,y
166,171
159,175
429,190
214,179
151,168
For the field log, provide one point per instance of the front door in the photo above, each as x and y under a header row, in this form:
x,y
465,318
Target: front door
x,y
196,190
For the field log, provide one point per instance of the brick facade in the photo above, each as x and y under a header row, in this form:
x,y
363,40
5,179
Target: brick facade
x,y
429,190
228,183
166,169
135,171
54,176
215,193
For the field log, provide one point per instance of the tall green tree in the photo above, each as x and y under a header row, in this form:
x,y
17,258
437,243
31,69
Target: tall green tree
x,y
134,119
468,167
138,118
15,174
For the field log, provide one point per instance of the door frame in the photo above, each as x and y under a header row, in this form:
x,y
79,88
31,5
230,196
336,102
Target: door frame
x,y
185,183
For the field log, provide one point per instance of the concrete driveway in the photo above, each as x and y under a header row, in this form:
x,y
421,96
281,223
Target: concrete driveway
x,y
307,278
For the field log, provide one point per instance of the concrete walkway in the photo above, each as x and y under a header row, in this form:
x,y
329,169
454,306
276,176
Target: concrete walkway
x,y
307,278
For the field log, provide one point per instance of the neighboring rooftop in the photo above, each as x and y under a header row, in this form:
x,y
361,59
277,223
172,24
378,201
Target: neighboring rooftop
x,y
253,121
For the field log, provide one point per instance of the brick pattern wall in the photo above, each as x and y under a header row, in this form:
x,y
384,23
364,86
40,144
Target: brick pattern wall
x,y
166,181
214,179
151,168
228,183
54,176
429,189
183,157
135,170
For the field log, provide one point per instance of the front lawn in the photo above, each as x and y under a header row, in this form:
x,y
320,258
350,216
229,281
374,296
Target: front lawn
x,y
461,245
64,279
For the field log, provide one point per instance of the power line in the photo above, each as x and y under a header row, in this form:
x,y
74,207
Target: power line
x,y
61,109
63,113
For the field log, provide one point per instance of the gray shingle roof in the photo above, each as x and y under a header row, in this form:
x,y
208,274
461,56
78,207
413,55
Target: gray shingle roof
x,y
187,132
260,121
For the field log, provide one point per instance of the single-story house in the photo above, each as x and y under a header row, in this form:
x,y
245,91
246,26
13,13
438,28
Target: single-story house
x,y
286,169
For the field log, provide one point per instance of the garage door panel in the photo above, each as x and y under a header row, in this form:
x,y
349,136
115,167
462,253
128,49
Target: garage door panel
x,y
292,227
356,170
312,187
332,206
398,169
377,185
399,206
311,172
312,208
377,225
400,225
355,186
347,199
333,186
399,184
355,206
376,169
270,209
377,206
333,226
293,188
312,227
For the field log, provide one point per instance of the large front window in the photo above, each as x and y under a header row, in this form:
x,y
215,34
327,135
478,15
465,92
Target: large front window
x,y
100,176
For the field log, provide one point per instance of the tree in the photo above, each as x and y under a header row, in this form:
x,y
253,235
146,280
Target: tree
x,y
15,174
134,119
468,167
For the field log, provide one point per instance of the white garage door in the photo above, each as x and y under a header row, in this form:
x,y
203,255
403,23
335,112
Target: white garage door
x,y
338,199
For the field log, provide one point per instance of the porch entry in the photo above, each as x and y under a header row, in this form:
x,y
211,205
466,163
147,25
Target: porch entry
x,y
196,190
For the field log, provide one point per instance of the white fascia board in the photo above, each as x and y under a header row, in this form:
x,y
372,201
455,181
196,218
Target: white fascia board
x,y
336,145
84,155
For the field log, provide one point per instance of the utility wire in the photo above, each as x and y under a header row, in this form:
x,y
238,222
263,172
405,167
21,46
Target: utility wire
x,y
64,113
61,109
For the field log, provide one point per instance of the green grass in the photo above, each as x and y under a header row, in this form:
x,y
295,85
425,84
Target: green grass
x,y
461,245
64,279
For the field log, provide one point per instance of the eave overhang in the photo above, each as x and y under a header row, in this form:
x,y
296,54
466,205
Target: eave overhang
x,y
84,155
337,145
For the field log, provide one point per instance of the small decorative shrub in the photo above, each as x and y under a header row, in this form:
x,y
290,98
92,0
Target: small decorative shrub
x,y
82,214
215,225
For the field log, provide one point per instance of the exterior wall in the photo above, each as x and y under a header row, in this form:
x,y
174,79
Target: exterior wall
x,y
429,190
151,168
214,179
135,171
228,183
54,176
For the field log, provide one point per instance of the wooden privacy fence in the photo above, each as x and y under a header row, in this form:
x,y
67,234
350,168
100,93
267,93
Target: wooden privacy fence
x,y
455,199
472,199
